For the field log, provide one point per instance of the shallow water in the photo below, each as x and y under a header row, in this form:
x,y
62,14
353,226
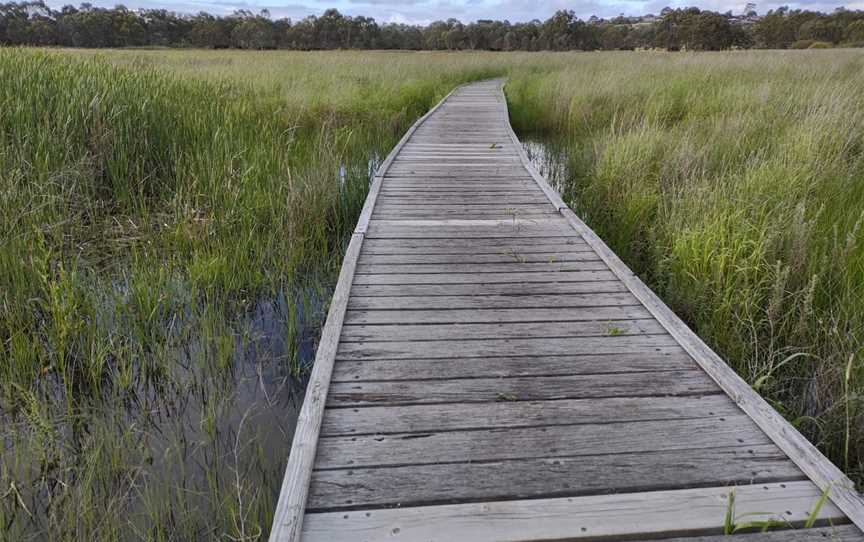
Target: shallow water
x,y
549,157
195,446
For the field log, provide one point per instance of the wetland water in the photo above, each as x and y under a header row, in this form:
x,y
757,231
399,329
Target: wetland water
x,y
197,450
192,445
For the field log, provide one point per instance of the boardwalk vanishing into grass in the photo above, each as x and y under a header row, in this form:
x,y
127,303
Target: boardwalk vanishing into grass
x,y
491,371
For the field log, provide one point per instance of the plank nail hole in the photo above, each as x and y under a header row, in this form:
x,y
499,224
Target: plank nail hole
x,y
345,516
368,514
395,530
584,529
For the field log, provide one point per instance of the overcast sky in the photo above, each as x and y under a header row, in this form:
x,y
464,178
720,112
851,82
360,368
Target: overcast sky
x,y
425,11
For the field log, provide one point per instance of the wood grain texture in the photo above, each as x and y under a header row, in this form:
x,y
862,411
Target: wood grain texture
x,y
512,388
451,416
535,442
485,278
395,314
566,290
665,359
837,533
649,514
518,330
539,478
627,344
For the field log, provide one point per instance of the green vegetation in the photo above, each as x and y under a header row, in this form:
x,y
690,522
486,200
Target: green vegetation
x,y
32,22
734,184
171,226
173,222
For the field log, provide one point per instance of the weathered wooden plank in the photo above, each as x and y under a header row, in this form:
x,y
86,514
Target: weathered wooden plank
x,y
539,296
494,214
429,232
454,175
451,416
485,278
535,442
836,533
454,183
543,478
463,195
534,388
510,208
467,189
504,200
495,316
512,266
500,330
443,168
494,258
614,517
503,347
398,201
476,246
666,359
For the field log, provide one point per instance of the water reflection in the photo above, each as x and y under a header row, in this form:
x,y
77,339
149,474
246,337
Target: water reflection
x,y
550,159
193,443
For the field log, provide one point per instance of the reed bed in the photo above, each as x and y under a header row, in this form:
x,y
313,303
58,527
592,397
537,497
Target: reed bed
x,y
172,223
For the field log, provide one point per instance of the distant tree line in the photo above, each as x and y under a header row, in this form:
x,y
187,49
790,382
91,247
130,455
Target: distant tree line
x,y
34,23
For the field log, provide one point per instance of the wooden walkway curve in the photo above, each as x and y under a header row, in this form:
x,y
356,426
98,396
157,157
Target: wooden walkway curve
x,y
490,370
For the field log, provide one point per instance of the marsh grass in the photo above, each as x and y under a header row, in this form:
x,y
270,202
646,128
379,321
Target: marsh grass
x,y
173,221
734,184
171,229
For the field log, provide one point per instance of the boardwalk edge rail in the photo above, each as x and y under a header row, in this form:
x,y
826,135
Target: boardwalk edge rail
x,y
288,518
841,490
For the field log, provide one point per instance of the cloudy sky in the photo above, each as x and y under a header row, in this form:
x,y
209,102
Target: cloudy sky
x,y
425,11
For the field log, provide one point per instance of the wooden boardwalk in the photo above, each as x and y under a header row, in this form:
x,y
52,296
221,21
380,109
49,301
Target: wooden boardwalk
x,y
490,370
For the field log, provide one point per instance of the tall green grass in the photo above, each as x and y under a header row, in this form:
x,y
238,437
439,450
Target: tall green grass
x,y
172,223
161,210
734,183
